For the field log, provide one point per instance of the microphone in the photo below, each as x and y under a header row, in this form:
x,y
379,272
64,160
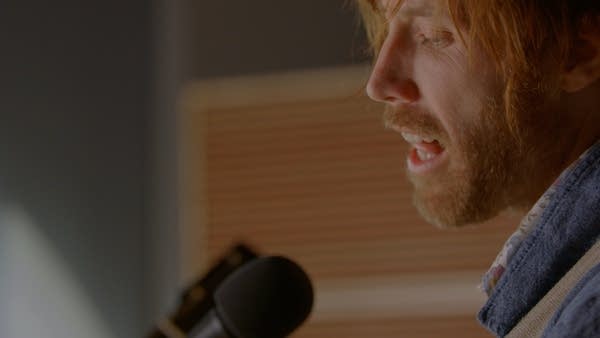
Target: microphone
x,y
197,299
268,297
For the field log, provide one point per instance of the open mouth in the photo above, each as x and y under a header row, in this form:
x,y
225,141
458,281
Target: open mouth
x,y
425,154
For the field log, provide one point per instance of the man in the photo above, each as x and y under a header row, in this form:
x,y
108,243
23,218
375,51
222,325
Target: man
x,y
500,102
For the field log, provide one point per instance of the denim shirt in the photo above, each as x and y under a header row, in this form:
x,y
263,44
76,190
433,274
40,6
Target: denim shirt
x,y
566,229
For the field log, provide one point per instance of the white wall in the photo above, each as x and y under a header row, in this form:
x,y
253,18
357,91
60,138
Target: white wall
x,y
74,104
41,295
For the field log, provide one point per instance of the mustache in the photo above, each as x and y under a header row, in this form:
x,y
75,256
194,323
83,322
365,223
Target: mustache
x,y
416,121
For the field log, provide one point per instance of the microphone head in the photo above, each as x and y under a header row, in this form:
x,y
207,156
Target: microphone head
x,y
268,297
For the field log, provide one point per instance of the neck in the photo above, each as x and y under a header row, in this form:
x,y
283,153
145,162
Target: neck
x,y
584,108
561,133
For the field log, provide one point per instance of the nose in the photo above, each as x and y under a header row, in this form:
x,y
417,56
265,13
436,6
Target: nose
x,y
391,79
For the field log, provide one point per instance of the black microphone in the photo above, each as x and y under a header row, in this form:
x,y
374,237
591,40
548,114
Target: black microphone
x,y
197,299
266,298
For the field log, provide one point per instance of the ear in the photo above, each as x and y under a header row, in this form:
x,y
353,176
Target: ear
x,y
583,66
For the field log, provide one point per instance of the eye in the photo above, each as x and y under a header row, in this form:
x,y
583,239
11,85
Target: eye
x,y
436,39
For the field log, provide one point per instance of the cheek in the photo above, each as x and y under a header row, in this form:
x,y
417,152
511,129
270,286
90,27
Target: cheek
x,y
449,93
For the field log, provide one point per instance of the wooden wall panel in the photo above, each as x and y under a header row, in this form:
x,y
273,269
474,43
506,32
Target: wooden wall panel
x,y
317,178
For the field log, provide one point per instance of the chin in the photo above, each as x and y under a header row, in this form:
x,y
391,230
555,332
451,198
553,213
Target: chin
x,y
443,219
455,207
450,218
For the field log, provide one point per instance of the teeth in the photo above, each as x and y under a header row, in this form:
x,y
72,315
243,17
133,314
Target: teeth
x,y
412,138
424,156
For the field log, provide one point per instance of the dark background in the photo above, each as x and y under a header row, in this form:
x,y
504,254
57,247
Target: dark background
x,y
87,122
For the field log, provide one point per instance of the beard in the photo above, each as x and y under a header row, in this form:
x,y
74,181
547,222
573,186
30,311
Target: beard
x,y
488,167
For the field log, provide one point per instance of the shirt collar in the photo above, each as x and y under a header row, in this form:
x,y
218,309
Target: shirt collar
x,y
540,251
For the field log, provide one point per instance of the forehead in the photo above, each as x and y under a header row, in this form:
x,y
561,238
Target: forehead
x,y
413,8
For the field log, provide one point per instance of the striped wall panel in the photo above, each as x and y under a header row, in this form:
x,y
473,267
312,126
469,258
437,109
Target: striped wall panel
x,y
299,164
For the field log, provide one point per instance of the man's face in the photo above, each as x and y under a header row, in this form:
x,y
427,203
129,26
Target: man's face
x,y
464,162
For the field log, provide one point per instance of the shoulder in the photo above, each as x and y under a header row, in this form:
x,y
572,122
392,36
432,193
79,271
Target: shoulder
x,y
579,314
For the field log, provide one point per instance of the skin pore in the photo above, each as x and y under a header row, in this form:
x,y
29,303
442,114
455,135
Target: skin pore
x,y
466,163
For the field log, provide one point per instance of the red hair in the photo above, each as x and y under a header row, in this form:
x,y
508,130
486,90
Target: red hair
x,y
522,37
